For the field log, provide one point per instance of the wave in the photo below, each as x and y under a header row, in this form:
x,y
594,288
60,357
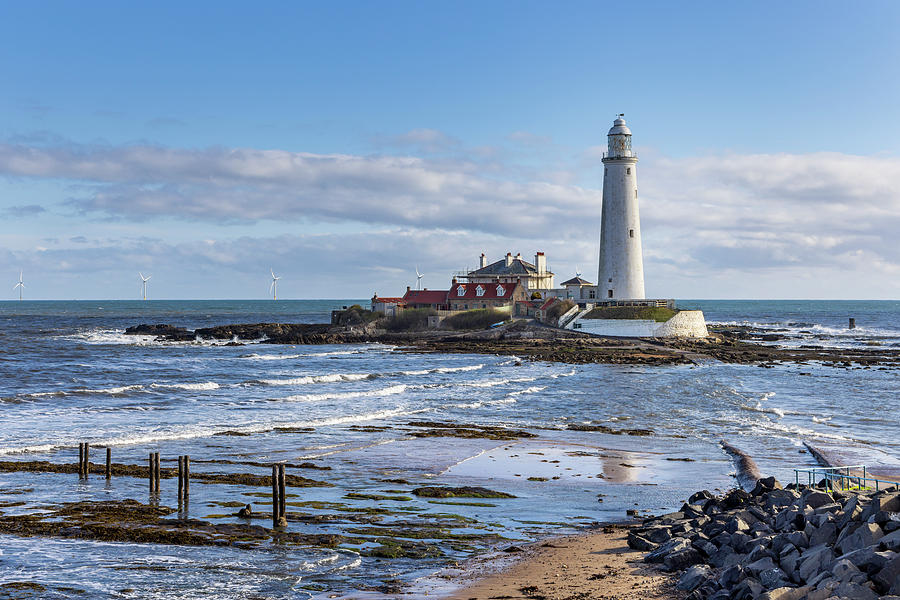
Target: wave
x,y
388,391
529,390
444,370
257,356
206,385
208,431
270,356
308,379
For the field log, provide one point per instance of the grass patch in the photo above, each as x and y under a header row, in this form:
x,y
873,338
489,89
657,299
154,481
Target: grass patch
x,y
415,319
481,318
659,314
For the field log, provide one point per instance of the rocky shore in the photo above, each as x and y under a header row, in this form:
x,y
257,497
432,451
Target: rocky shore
x,y
774,543
534,341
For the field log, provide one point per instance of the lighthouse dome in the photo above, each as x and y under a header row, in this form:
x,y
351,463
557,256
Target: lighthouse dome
x,y
619,128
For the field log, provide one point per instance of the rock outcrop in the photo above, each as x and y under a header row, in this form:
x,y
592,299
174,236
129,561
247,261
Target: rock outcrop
x,y
774,543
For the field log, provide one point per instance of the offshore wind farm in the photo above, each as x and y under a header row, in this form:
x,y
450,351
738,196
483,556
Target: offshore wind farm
x,y
494,363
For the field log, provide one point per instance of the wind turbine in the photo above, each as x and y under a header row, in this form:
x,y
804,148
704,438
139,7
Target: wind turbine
x,y
144,281
20,286
274,287
419,277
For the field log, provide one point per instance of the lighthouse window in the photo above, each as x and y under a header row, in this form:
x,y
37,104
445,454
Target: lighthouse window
x,y
628,171
631,233
610,293
635,193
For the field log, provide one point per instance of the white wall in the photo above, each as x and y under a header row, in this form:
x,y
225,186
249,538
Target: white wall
x,y
685,323
621,260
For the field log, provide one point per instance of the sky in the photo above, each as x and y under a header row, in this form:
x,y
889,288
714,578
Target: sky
x,y
345,144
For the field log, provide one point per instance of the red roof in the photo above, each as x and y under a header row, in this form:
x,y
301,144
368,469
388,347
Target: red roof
x,y
490,291
387,300
425,297
547,304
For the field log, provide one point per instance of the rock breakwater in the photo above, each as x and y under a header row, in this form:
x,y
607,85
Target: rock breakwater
x,y
775,543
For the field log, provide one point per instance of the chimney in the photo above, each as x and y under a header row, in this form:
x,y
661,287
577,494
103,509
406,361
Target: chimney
x,y
482,262
508,258
540,262
454,281
407,289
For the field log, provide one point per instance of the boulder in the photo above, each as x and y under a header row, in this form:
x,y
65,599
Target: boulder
x,y
888,578
773,578
786,593
855,591
826,534
844,570
868,559
813,561
638,542
747,588
779,498
815,499
891,541
682,559
693,577
700,497
758,566
660,554
865,535
736,498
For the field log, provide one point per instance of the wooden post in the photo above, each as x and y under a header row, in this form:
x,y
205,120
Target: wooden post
x,y
187,476
150,463
80,459
108,462
86,459
180,479
281,492
276,503
156,471
852,324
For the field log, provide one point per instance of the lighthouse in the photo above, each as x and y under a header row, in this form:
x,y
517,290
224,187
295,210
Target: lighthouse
x,y
621,272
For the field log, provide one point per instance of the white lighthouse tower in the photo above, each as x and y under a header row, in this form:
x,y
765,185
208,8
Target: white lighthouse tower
x,y
621,272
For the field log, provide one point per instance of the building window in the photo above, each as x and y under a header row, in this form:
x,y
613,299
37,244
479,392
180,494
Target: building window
x,y
479,291
628,171
610,279
610,293
484,306
631,233
591,294
501,290
465,306
461,291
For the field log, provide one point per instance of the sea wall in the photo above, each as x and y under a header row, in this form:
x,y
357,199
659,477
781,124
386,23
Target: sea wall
x,y
796,543
685,323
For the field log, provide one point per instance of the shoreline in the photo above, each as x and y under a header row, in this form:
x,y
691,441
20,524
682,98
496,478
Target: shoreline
x,y
529,340
595,564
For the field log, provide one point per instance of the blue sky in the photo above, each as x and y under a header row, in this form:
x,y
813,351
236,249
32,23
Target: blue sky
x,y
343,143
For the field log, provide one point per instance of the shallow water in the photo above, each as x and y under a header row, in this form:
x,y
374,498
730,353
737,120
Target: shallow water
x,y
68,375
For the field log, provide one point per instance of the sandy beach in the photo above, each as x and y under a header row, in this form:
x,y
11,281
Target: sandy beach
x,y
596,565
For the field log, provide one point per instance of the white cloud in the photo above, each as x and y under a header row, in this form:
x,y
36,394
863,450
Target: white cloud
x,y
754,225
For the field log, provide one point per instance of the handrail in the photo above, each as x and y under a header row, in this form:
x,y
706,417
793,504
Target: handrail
x,y
843,476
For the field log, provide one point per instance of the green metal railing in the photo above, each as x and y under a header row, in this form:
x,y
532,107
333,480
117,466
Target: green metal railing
x,y
844,478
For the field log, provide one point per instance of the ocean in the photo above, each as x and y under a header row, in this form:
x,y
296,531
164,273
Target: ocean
x,y
68,374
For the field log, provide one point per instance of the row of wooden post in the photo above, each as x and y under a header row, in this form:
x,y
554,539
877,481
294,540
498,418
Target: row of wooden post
x,y
278,495
184,478
84,462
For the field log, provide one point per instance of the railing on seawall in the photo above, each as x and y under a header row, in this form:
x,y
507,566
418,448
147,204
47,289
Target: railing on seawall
x,y
844,478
